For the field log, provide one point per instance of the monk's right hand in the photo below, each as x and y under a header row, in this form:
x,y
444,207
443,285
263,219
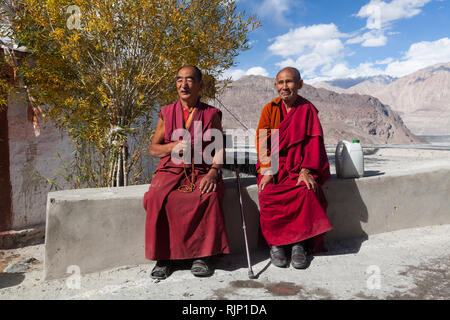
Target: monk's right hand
x,y
267,178
180,147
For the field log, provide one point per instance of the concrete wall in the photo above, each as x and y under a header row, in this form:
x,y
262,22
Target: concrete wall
x,y
98,229
33,159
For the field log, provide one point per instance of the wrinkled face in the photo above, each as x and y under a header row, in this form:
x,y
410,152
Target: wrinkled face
x,y
188,86
287,85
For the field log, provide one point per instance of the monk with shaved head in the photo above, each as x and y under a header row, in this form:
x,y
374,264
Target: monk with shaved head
x,y
292,166
185,218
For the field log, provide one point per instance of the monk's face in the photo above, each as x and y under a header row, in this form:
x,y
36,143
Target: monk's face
x,y
188,86
287,86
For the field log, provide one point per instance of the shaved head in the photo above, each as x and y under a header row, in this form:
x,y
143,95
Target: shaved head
x,y
288,83
294,71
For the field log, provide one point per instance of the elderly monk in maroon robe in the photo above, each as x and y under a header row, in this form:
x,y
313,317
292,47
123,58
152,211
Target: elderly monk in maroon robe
x,y
184,202
292,203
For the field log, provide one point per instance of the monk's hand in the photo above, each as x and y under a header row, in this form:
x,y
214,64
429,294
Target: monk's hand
x,y
209,182
306,176
180,147
267,178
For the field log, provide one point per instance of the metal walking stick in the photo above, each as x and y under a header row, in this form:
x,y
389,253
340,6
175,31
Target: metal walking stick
x,y
244,227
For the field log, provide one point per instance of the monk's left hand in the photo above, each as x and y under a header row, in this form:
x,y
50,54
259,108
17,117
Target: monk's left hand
x,y
308,179
209,182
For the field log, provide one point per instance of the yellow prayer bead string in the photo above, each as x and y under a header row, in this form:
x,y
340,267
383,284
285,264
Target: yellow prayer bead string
x,y
190,186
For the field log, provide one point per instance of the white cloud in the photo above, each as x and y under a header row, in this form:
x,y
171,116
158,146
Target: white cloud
x,y
379,13
275,9
305,38
319,52
373,38
239,73
309,48
335,70
380,16
233,74
384,61
341,70
420,55
257,71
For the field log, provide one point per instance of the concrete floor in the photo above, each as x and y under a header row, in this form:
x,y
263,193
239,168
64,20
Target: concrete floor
x,y
406,264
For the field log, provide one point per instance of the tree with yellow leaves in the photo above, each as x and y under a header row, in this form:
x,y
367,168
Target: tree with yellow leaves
x,y
99,68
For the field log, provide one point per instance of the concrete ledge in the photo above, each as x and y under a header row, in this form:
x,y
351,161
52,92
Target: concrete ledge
x,y
98,229
371,205
94,229
362,207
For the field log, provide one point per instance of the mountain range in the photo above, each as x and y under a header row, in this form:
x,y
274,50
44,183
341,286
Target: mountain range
x,y
347,83
343,116
421,98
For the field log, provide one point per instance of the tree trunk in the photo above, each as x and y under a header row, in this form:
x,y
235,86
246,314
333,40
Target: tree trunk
x,y
118,173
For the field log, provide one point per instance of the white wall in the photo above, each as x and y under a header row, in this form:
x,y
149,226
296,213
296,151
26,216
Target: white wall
x,y
32,160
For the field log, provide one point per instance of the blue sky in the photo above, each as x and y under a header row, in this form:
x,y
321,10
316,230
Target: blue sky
x,y
328,39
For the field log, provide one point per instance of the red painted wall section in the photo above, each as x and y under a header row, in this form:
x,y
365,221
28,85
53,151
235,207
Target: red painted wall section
x,y
5,182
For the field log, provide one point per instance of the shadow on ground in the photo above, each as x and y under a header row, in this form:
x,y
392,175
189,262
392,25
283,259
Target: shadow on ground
x,y
231,262
347,214
344,246
238,261
373,173
11,279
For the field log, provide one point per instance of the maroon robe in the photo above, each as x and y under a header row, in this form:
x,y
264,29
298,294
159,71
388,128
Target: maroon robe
x,y
291,213
184,225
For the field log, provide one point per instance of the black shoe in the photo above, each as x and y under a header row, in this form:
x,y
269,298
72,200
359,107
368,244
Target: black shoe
x,y
201,268
298,256
278,257
161,270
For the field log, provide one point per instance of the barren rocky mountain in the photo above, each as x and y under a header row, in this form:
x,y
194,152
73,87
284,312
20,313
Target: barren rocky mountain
x,y
371,85
421,98
361,85
343,116
328,86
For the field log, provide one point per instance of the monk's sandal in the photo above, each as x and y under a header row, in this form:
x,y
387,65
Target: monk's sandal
x,y
278,256
161,270
201,268
298,256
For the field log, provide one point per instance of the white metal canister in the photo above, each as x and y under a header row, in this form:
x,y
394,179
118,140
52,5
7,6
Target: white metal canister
x,y
349,159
